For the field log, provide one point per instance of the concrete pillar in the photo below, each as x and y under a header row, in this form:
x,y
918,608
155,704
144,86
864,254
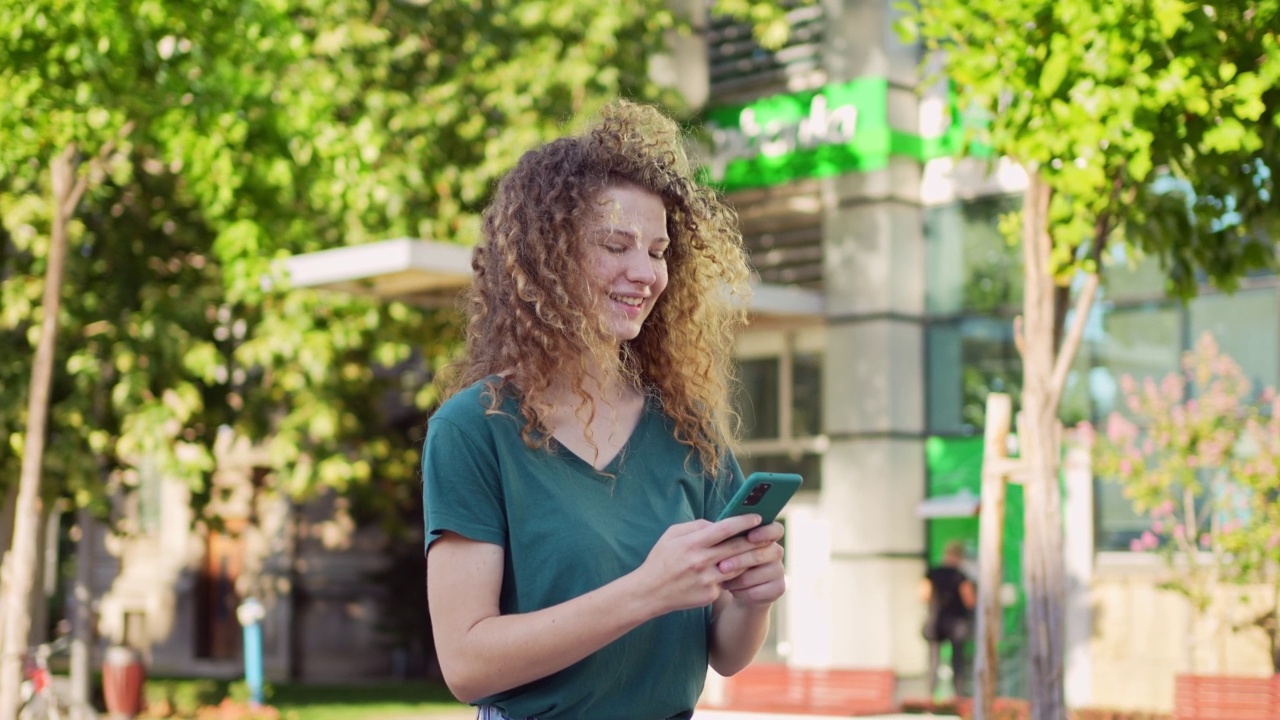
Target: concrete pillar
x,y
874,279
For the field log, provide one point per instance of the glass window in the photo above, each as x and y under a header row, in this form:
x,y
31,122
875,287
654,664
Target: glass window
x,y
969,359
806,395
758,398
807,464
1126,279
1246,326
970,265
1116,523
1143,341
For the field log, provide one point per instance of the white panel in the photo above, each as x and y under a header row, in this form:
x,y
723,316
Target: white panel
x,y
808,630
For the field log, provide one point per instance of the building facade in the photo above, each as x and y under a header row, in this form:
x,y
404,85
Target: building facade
x,y
846,177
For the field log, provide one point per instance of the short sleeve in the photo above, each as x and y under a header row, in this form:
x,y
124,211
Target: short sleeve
x,y
724,486
461,484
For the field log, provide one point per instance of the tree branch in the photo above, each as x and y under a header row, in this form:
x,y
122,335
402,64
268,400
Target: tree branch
x,y
1066,352
1071,343
68,208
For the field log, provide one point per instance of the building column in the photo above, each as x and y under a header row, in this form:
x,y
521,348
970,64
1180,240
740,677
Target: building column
x,y
874,470
874,414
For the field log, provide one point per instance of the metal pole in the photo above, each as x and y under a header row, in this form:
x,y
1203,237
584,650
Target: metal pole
x,y
250,613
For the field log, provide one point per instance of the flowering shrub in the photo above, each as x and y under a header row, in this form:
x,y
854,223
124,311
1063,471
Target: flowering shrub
x,y
1204,466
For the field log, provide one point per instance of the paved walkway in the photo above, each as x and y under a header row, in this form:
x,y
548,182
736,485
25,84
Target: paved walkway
x,y
718,715
731,715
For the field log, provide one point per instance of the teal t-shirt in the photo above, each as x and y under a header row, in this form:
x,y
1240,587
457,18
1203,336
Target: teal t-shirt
x,y
567,530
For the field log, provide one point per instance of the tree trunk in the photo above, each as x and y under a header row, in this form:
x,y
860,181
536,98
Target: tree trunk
x,y
16,605
1038,433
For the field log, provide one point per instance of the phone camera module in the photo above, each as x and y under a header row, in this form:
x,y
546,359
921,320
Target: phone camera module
x,y
756,493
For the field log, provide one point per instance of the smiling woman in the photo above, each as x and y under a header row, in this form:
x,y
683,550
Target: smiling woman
x,y
627,257
571,477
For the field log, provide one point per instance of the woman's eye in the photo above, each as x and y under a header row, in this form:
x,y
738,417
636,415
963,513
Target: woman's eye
x,y
615,249
662,254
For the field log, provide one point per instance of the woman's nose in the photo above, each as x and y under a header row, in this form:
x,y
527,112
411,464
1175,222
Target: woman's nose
x,y
640,268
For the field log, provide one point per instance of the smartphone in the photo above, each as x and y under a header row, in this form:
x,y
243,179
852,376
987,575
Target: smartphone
x,y
764,494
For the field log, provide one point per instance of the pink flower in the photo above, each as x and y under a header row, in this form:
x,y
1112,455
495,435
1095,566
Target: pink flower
x,y
1087,432
1179,531
1149,541
1135,545
1204,541
1157,527
1126,467
1119,429
1127,384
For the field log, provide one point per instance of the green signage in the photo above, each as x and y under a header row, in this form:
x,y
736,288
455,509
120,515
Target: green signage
x,y
834,130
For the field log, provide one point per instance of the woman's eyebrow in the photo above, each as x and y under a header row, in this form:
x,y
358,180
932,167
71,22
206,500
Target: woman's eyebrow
x,y
610,231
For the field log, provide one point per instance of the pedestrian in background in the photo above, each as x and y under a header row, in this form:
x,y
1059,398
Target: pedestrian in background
x,y
951,597
573,473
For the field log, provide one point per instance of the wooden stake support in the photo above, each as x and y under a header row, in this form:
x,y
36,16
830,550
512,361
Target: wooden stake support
x,y
997,470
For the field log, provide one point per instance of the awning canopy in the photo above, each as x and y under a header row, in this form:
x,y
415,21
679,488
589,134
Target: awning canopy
x,y
426,272
961,504
421,271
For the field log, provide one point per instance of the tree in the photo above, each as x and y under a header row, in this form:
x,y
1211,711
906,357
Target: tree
x,y
1199,454
1148,125
259,130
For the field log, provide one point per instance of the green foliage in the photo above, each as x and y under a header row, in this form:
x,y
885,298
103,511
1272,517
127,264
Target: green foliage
x,y
246,132
1156,121
768,19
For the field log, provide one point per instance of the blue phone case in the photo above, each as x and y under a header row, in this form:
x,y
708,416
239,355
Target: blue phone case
x,y
764,494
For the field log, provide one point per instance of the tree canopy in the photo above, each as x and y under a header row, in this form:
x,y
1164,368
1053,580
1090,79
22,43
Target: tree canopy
x,y
1157,120
1152,125
244,133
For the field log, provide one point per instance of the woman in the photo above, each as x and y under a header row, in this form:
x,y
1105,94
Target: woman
x,y
571,478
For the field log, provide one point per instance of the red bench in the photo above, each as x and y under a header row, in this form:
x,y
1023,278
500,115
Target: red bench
x,y
776,688
1219,697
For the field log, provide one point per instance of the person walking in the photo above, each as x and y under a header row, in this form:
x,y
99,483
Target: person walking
x,y
572,475
951,598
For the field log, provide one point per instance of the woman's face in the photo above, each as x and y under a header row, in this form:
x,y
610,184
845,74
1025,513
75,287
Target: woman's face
x,y
626,256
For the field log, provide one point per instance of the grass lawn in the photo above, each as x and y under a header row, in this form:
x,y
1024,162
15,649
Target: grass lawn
x,y
364,702
295,701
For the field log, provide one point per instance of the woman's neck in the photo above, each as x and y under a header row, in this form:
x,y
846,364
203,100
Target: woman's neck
x,y
608,388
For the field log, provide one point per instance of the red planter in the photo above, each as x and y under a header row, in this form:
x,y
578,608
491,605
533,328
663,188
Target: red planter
x,y
123,675
1217,697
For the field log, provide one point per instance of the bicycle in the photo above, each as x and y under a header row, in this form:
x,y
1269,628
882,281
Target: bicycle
x,y
41,699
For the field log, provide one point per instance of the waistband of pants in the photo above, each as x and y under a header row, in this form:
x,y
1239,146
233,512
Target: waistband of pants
x,y
489,712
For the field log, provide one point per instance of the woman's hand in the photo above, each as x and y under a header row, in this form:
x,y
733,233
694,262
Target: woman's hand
x,y
741,615
686,567
759,570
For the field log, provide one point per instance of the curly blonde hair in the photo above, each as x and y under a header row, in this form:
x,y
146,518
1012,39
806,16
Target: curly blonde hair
x,y
533,316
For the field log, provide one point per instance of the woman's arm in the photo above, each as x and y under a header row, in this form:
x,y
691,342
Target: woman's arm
x,y
483,652
740,616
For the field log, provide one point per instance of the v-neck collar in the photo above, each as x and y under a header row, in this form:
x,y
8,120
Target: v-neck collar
x,y
611,469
